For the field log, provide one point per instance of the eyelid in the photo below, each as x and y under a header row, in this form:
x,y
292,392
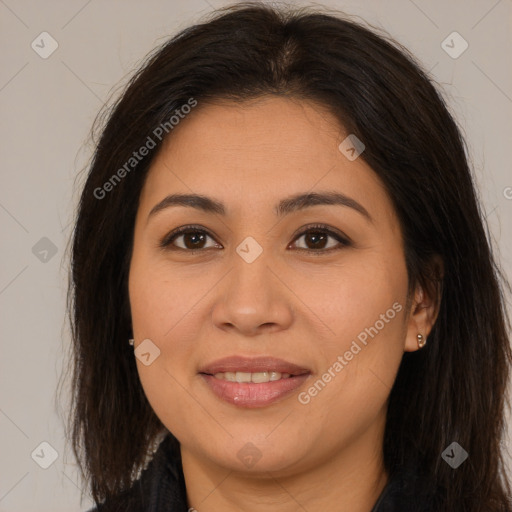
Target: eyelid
x,y
342,239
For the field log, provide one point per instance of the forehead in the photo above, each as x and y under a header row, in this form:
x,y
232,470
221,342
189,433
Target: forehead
x,y
254,128
260,150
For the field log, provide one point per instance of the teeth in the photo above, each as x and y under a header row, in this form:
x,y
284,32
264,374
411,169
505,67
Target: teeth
x,y
247,377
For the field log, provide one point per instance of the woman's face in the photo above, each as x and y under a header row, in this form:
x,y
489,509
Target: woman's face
x,y
262,280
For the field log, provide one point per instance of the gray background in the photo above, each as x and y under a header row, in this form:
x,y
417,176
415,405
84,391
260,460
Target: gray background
x,y
47,108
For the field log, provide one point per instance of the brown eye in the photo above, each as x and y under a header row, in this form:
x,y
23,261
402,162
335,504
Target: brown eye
x,y
316,239
193,240
187,239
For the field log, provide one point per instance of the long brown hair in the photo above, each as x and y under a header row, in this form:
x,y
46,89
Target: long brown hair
x,y
454,389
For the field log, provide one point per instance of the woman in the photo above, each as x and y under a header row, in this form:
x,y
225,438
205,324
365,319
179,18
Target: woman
x,y
283,297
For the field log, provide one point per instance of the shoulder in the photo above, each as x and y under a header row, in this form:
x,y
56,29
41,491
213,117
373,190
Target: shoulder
x,y
408,491
160,487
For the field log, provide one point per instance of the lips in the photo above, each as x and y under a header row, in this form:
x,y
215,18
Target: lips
x,y
252,365
250,395
253,382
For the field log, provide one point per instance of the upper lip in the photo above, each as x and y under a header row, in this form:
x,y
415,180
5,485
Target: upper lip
x,y
252,365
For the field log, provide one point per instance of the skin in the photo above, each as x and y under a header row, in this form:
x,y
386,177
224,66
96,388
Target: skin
x,y
306,308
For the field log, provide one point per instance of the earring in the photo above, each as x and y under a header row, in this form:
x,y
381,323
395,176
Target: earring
x,y
421,341
131,341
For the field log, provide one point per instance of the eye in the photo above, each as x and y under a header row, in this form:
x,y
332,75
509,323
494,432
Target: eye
x,y
193,239
316,239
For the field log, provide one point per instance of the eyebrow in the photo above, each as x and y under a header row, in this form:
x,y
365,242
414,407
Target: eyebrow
x,y
284,207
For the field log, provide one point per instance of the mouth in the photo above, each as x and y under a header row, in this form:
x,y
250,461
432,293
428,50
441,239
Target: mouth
x,y
253,382
256,377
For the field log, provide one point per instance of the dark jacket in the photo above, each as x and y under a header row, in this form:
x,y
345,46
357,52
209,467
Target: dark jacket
x,y
161,488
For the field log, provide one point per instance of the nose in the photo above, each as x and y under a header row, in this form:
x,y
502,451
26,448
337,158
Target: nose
x,y
252,299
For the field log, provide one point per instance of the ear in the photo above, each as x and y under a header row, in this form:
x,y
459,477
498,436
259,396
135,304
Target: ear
x,y
425,305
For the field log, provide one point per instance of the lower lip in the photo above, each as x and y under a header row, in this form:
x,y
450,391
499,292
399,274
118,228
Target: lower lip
x,y
245,394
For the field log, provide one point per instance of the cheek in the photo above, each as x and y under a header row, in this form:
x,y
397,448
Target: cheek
x,y
167,307
351,298
163,311
363,307
161,299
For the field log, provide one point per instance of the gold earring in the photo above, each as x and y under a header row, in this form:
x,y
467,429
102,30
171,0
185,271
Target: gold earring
x,y
421,341
131,341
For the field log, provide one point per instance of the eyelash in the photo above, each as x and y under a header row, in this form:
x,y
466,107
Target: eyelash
x,y
167,241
